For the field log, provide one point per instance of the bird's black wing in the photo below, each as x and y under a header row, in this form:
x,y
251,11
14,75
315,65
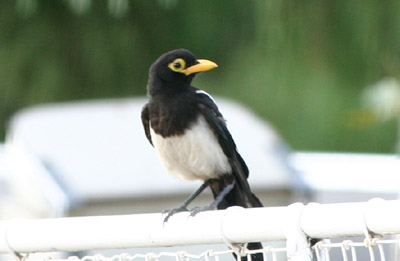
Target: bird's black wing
x,y
241,194
214,118
216,121
146,122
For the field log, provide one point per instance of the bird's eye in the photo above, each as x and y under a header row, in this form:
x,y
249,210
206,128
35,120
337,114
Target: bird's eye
x,y
178,65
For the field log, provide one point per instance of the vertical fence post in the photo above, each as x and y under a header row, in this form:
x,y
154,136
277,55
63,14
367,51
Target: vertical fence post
x,y
297,245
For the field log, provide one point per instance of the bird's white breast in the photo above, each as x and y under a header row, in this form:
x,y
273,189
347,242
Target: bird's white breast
x,y
194,155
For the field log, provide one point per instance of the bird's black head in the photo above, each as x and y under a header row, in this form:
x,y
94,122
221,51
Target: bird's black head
x,y
175,70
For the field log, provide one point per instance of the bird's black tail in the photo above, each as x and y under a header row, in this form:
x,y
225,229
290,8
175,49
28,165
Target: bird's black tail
x,y
239,195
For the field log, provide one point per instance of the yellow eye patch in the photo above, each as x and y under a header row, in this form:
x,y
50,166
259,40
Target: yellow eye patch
x,y
178,65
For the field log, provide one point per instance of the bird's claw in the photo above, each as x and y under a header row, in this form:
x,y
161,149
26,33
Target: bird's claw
x,y
193,211
173,211
197,210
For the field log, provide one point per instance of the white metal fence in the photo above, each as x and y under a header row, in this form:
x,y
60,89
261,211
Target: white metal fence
x,y
375,222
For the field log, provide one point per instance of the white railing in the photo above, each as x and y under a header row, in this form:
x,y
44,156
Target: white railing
x,y
295,224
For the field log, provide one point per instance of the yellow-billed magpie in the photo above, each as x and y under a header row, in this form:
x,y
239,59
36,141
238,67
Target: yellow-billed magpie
x,y
190,135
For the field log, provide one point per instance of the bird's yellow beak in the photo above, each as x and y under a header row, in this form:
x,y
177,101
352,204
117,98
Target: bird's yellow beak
x,y
202,66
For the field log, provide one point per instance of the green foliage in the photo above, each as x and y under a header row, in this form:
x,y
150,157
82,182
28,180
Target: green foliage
x,y
299,64
308,65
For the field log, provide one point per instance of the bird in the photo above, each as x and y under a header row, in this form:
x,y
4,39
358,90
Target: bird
x,y
190,135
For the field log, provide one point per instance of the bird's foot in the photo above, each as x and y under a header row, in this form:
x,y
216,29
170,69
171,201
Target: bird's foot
x,y
197,210
173,211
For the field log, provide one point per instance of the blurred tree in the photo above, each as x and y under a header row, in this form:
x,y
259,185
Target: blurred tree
x,y
66,50
302,64
309,63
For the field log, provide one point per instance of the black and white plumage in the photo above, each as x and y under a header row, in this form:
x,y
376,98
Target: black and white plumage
x,y
190,135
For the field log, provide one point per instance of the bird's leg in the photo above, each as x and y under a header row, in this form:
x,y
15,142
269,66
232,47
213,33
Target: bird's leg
x,y
216,202
185,204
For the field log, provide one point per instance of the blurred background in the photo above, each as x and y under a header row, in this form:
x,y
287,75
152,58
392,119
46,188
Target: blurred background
x,y
304,65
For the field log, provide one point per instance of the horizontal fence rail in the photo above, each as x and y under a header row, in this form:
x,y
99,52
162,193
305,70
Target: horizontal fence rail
x,y
292,224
